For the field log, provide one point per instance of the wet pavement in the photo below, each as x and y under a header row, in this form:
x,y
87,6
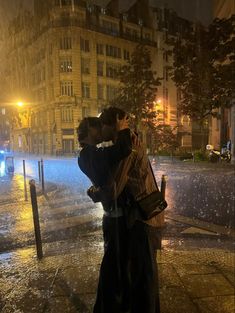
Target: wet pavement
x,y
196,263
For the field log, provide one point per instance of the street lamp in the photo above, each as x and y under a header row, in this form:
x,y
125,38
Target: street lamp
x,y
20,103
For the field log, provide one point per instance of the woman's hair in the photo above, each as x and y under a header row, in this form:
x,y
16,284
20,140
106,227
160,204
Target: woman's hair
x,y
109,116
85,124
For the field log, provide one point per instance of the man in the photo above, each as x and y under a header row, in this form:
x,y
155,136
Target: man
x,y
139,182
100,164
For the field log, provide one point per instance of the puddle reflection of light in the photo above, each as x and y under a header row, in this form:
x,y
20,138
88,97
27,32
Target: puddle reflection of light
x,y
25,254
2,168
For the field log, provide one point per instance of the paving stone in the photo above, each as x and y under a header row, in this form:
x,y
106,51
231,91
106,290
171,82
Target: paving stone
x,y
207,285
31,302
82,280
60,305
230,275
189,269
175,300
168,275
89,300
219,304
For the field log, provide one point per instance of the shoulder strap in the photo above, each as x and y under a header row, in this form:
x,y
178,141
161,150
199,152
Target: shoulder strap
x,y
150,165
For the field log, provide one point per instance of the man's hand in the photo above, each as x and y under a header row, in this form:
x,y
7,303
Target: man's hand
x,y
135,139
122,123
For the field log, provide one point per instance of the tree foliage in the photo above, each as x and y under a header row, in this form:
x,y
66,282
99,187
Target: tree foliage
x,y
165,138
204,69
138,86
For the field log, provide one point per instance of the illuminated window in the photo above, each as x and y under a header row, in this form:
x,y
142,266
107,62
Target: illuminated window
x,y
65,65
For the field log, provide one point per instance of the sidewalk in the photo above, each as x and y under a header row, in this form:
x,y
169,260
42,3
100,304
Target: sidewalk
x,y
66,279
196,272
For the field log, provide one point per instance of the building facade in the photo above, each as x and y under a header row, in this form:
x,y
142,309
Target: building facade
x,y
4,127
63,61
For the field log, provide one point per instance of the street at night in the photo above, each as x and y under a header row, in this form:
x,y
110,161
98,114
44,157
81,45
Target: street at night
x,y
117,156
71,227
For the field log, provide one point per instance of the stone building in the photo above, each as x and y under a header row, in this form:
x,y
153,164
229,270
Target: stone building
x,y
62,63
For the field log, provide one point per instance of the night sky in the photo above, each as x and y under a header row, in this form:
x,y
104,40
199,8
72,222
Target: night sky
x,y
191,9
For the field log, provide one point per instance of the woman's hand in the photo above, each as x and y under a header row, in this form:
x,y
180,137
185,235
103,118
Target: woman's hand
x,y
122,123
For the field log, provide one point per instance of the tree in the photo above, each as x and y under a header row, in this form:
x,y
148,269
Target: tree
x,y
204,69
164,138
138,87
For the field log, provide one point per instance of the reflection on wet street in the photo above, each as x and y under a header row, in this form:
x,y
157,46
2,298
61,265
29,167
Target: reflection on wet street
x,y
203,191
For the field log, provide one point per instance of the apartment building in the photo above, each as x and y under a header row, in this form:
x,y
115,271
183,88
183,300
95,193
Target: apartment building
x,y
62,64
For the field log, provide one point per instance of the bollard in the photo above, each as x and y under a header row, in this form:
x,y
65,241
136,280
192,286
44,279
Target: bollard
x,y
39,171
193,157
36,218
163,185
25,187
42,176
161,216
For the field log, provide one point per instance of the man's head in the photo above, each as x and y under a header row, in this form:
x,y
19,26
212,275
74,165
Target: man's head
x,y
89,131
108,118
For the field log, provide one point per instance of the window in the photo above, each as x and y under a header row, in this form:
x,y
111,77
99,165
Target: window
x,y
85,112
126,55
50,69
65,65
66,43
85,46
100,68
100,48
85,66
66,88
147,36
67,114
86,90
132,32
165,56
110,27
111,92
112,70
165,74
51,91
100,92
113,51
3,111
66,2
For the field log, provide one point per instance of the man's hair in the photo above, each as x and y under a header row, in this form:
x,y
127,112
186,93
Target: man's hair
x,y
85,124
109,116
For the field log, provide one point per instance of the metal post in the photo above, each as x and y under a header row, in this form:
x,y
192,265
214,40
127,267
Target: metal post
x,y
39,171
193,156
25,187
36,218
42,176
163,185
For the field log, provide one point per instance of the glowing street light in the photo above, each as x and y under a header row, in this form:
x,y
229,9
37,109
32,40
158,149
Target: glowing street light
x,y
20,103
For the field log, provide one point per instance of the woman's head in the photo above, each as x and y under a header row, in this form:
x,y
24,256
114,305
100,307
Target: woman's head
x,y
89,131
108,118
